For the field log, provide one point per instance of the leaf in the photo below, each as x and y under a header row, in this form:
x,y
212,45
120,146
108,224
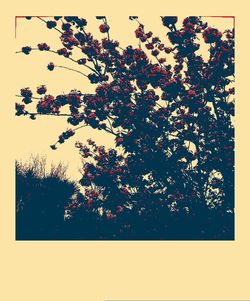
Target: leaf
x,y
133,17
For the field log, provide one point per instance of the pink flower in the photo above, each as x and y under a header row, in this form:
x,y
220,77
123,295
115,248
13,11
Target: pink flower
x,y
41,90
119,209
119,141
104,28
92,115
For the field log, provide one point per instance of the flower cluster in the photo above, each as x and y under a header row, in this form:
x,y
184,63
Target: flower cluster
x,y
66,135
211,35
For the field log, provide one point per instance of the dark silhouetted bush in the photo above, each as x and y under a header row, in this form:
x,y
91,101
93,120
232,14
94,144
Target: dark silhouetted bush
x,y
40,199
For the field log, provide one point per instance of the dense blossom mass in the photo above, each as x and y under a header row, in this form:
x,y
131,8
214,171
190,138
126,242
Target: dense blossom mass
x,y
170,111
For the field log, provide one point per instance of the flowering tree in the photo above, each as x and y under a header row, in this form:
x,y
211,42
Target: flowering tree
x,y
170,112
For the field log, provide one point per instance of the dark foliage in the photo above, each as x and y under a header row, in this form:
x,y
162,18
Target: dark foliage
x,y
40,200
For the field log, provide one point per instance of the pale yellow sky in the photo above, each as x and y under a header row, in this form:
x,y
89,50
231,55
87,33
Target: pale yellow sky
x,y
35,137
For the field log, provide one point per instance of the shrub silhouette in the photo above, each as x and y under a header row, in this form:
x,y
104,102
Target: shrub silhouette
x,y
40,199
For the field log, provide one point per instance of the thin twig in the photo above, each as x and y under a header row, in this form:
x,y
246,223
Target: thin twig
x,y
72,70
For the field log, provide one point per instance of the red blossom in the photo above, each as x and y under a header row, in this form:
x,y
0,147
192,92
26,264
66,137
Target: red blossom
x,y
104,28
